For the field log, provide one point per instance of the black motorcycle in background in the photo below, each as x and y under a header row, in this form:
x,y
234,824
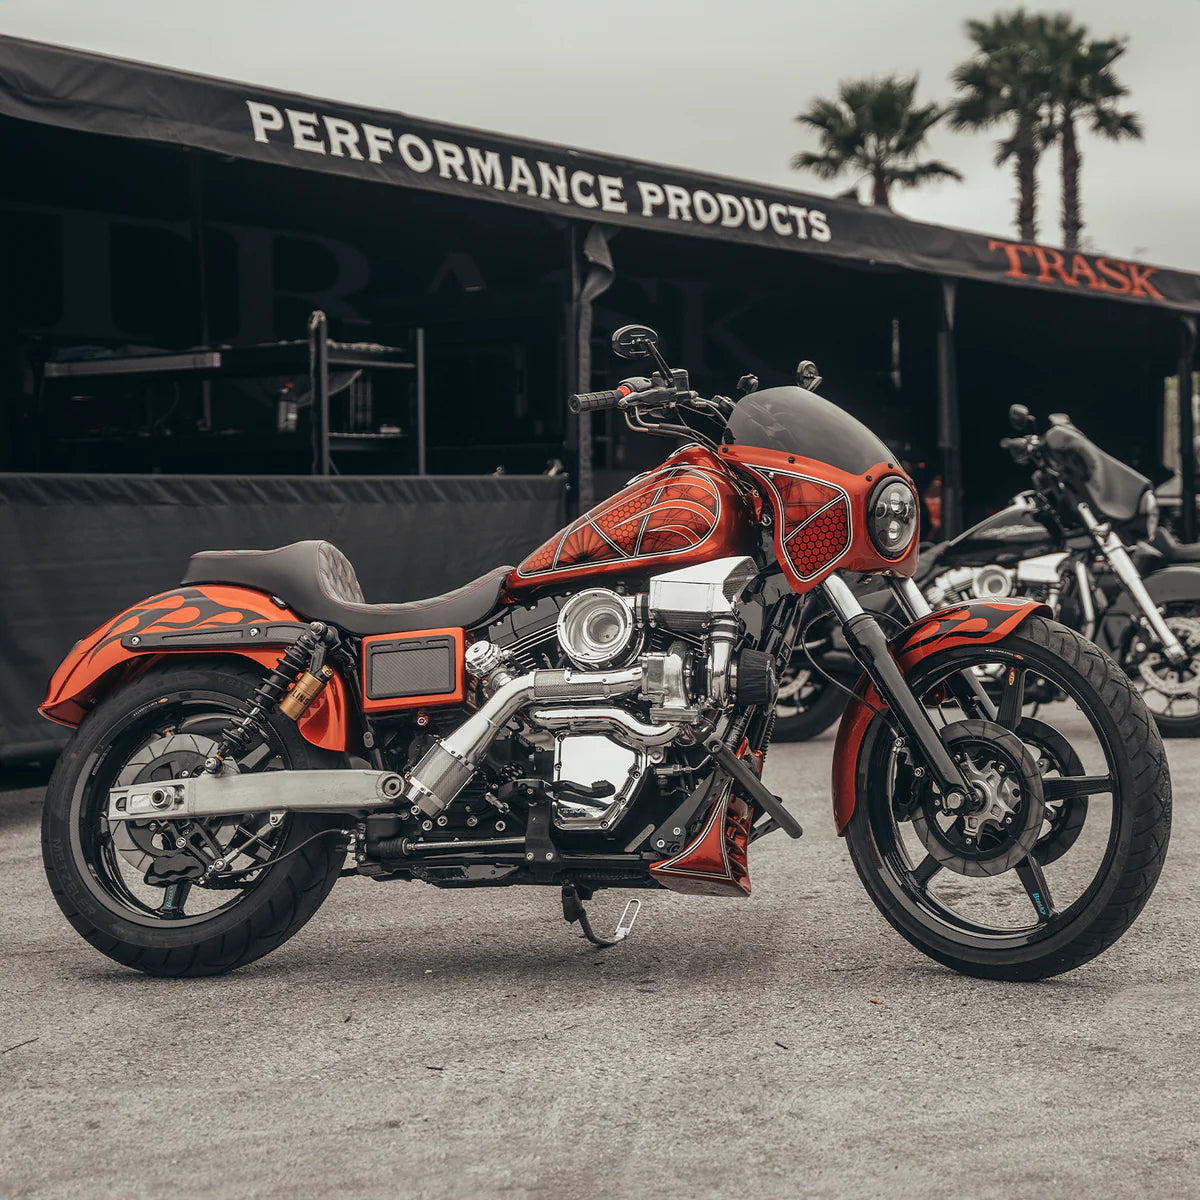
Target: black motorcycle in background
x,y
1085,540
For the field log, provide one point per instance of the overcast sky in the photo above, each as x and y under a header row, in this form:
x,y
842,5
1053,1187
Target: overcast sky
x,y
714,87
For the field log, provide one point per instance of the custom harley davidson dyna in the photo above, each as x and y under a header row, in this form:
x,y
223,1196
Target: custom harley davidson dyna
x,y
597,718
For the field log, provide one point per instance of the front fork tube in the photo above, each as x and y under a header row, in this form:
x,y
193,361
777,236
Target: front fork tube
x,y
1113,549
974,698
869,645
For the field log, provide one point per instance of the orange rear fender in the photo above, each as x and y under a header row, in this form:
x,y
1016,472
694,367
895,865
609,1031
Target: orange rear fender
x,y
209,619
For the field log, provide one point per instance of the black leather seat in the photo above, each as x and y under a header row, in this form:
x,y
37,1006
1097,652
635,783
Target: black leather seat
x,y
318,582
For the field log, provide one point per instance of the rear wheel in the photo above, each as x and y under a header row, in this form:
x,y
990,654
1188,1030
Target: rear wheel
x,y
135,889
1065,833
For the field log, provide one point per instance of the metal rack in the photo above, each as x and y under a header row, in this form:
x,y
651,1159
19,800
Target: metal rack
x,y
316,355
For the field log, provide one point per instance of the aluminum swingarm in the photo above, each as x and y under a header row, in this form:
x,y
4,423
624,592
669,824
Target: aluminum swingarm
x,y
228,794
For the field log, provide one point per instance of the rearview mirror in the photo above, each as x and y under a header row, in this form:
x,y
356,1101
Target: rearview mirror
x,y
1020,418
635,341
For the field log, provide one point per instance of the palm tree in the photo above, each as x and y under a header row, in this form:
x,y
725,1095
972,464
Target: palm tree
x,y
874,129
1007,79
1082,86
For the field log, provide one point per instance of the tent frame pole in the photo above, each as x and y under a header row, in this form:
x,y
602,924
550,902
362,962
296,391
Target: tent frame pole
x,y
1187,431
949,427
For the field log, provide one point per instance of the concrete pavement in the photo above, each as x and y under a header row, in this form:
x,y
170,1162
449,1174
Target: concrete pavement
x,y
410,1042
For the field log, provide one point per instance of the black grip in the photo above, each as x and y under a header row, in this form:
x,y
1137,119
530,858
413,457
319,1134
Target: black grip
x,y
596,401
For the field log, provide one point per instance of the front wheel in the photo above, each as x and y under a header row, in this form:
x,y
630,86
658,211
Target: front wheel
x,y
1064,836
136,889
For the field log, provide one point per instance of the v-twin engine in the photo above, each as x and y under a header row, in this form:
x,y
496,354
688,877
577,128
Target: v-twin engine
x,y
608,725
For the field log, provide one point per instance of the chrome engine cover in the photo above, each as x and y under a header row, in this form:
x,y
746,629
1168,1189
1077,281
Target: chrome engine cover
x,y
586,759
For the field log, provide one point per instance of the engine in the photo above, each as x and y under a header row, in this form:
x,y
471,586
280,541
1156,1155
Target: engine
x,y
971,583
594,694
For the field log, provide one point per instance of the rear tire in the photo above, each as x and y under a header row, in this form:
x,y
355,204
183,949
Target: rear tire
x,y
1135,848
260,916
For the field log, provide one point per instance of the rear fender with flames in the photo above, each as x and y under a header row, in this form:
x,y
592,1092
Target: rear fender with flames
x,y
207,620
976,623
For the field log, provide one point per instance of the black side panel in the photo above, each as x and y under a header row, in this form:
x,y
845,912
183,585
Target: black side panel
x,y
413,666
75,550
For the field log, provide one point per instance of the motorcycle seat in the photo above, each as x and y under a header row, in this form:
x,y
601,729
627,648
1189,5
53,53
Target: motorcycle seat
x,y
317,580
1175,551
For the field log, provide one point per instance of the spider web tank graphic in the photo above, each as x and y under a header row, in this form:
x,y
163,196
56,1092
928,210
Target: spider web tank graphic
x,y
672,512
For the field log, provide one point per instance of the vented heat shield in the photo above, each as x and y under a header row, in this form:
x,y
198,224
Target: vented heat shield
x,y
412,670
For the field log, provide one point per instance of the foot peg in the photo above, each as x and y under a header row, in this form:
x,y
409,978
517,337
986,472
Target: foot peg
x,y
573,911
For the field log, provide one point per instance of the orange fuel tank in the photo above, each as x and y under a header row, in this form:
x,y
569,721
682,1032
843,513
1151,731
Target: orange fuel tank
x,y
688,510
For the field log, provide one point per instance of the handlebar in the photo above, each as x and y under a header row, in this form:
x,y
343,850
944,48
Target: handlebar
x,y
598,401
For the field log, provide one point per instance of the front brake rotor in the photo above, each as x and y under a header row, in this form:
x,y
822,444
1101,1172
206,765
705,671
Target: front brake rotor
x,y
1003,819
1157,672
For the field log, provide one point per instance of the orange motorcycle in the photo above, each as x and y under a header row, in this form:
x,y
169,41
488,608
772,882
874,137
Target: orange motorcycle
x,y
597,717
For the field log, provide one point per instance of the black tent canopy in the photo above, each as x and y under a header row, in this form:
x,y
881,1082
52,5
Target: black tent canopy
x,y
98,94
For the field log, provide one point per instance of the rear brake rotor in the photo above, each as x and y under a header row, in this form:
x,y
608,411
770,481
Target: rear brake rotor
x,y
146,845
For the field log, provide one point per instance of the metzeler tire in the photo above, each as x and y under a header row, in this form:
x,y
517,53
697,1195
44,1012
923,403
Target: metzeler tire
x,y
1138,840
280,901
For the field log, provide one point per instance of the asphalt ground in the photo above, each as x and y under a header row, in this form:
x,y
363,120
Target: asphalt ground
x,y
411,1042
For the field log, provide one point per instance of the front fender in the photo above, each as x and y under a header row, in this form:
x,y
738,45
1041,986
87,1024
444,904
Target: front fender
x,y
1166,585
211,619
973,624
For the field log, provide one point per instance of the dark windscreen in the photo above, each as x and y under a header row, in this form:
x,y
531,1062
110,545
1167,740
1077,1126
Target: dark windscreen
x,y
1111,486
798,422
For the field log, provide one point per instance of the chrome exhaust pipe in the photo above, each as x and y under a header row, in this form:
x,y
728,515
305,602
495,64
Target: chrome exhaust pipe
x,y
623,727
448,766
223,795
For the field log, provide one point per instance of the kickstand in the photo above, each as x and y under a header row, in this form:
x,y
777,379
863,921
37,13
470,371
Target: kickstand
x,y
573,911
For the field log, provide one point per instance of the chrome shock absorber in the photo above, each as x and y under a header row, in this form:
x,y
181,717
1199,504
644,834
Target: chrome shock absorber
x,y
306,654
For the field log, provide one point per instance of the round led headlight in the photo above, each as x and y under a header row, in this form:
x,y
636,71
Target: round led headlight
x,y
595,628
893,517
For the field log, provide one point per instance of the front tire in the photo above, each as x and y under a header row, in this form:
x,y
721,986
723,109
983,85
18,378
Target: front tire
x,y
1007,935
169,716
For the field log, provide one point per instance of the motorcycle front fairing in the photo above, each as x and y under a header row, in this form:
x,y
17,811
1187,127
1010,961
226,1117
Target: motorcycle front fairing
x,y
817,467
1112,488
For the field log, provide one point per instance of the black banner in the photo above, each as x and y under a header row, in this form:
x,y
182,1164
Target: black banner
x,y
77,549
104,95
